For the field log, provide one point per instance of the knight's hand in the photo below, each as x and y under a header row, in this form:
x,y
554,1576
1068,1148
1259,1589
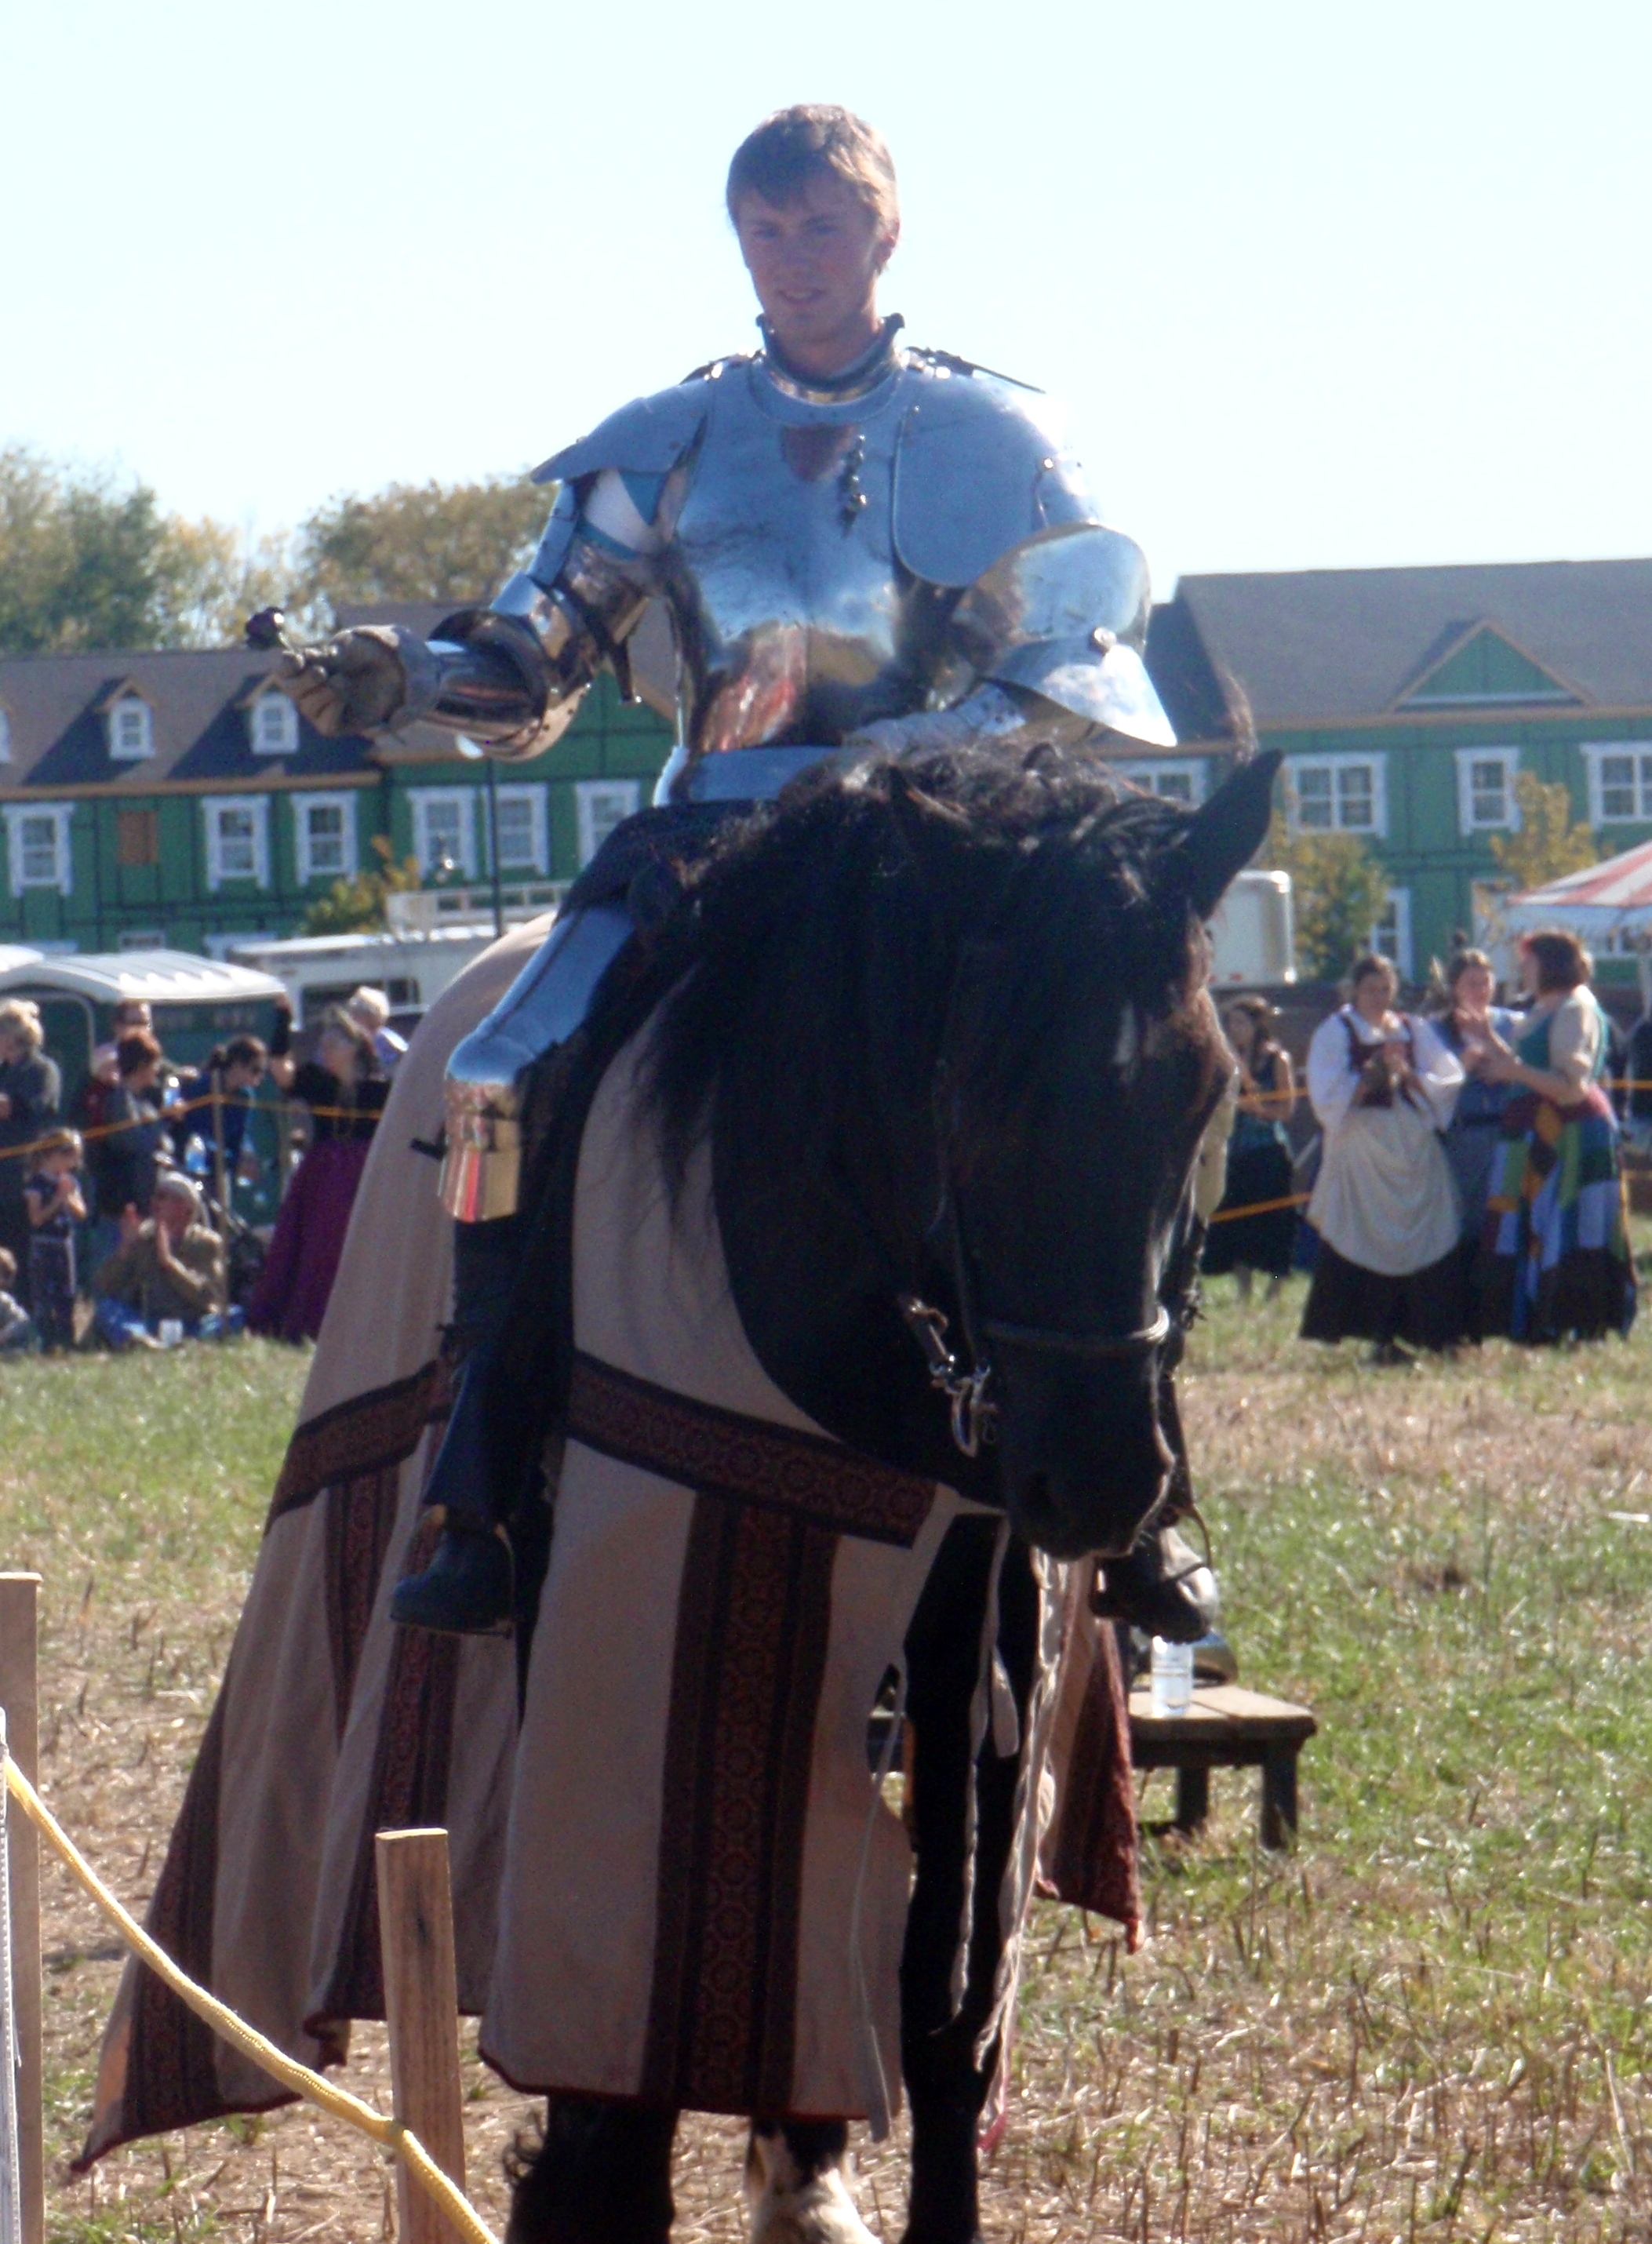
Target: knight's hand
x,y
355,682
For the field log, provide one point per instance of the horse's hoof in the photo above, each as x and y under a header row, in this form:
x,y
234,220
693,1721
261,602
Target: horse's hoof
x,y
790,2207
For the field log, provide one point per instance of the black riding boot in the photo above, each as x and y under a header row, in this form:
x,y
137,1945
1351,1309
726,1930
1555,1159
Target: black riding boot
x,y
469,1587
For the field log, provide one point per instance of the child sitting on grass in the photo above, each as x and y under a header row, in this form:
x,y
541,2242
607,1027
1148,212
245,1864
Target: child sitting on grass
x,y
52,1198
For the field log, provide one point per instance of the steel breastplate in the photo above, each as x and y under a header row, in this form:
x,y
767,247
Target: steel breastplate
x,y
795,621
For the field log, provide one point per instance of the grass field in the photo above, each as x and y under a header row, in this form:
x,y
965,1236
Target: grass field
x,y
1433,2019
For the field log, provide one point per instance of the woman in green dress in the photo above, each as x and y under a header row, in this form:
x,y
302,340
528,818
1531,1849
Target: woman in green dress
x,y
1554,1259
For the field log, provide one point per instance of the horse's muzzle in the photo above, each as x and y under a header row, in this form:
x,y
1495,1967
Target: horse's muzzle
x,y
1084,1462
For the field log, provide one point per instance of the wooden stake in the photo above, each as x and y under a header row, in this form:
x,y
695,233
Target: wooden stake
x,y
422,2007
20,1696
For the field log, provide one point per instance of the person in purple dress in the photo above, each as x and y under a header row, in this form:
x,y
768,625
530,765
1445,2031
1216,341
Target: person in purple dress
x,y
345,1089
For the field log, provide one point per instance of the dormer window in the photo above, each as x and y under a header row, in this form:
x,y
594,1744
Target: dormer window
x,y
5,736
131,729
273,724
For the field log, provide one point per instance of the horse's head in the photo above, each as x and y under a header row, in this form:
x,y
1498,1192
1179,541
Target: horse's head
x,y
947,1025
1080,1064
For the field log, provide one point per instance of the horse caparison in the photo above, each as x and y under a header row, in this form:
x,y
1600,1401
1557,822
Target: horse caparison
x,y
945,1024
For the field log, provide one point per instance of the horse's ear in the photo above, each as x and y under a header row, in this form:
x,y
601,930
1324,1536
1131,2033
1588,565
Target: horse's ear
x,y
1227,832
927,826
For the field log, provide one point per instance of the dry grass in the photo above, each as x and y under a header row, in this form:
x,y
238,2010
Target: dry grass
x,y
1435,2017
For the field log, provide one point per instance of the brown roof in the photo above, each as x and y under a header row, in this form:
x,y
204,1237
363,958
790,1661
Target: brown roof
x,y
59,738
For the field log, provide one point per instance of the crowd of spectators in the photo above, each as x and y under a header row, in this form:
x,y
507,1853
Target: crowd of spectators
x,y
1467,1158
122,1232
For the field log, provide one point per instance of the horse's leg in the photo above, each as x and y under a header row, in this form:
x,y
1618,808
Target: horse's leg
x,y
797,2184
945,2087
600,2175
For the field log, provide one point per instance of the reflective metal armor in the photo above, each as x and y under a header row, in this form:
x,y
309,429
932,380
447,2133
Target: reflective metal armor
x,y
903,557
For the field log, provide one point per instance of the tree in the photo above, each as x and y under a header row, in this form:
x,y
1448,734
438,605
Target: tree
x,y
454,542
1545,845
357,905
1337,895
85,564
82,564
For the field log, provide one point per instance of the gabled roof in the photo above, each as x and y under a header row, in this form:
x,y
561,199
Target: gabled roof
x,y
1480,666
1331,645
59,738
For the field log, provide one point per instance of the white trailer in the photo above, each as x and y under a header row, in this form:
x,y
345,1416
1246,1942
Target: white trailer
x,y
1252,935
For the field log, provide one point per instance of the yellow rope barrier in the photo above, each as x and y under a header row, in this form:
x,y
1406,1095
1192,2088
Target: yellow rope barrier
x,y
166,1115
224,2022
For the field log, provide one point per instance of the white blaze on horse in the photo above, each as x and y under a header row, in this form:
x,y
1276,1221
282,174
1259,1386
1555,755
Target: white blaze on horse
x,y
916,1037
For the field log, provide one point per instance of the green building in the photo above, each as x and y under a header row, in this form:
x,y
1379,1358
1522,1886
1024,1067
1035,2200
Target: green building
x,y
1405,701
178,799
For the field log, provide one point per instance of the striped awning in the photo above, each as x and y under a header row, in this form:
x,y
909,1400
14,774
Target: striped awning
x,y
1614,897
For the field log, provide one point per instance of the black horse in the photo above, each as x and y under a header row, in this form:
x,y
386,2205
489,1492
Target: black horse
x,y
946,1025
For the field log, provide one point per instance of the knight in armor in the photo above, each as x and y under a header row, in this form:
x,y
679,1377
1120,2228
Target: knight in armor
x,y
858,543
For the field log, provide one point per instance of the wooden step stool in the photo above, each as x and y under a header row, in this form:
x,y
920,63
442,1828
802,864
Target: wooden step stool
x,y
1225,1727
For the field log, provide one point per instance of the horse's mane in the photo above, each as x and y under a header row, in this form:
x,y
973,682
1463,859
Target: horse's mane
x,y
820,939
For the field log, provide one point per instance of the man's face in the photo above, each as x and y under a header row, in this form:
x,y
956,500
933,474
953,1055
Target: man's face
x,y
814,263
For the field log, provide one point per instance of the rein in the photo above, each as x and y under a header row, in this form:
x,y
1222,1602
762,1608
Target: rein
x,y
967,1382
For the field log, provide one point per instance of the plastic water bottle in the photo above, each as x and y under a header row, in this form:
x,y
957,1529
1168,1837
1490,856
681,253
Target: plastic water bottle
x,y
1172,1676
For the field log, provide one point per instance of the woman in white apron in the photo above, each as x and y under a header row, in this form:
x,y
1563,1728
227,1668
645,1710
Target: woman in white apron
x,y
1383,1085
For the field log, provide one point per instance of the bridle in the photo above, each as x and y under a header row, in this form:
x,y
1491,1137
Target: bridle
x,y
966,1380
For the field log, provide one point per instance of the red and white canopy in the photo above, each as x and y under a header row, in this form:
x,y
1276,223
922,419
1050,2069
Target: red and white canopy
x,y
1614,897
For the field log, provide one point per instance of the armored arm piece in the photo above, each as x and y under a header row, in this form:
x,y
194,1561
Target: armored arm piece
x,y
1053,633
510,676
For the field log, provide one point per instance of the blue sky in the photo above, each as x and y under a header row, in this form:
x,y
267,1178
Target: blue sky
x,y
1320,286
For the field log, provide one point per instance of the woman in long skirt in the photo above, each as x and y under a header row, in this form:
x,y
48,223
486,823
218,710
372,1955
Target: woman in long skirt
x,y
345,1091
1467,1025
1554,1262
1383,1085
1259,1174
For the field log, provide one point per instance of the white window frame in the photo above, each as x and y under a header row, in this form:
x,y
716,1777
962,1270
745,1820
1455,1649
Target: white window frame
x,y
62,876
1147,773
588,793
1595,754
539,829
423,800
145,747
1375,763
1509,758
303,847
1399,903
213,806
287,744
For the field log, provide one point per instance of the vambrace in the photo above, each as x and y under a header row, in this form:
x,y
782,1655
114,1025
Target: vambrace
x,y
511,676
1005,717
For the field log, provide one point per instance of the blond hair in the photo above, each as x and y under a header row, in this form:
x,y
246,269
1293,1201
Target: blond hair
x,y
20,1016
815,140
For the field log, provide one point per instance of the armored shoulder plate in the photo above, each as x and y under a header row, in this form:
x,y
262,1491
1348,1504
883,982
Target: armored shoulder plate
x,y
649,436
979,466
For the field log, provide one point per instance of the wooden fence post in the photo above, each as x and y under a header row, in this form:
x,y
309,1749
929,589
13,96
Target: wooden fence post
x,y
20,1696
422,2007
